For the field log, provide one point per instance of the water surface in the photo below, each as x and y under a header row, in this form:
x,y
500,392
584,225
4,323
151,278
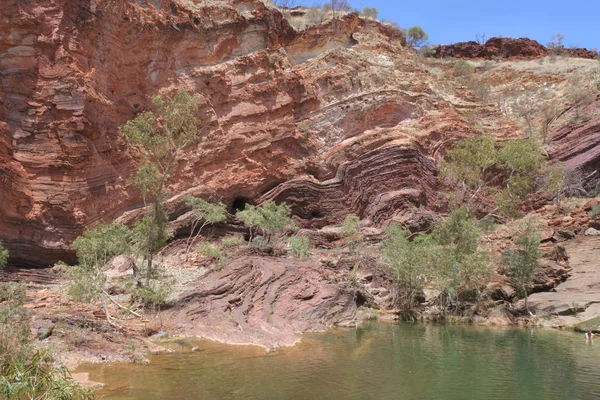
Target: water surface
x,y
378,361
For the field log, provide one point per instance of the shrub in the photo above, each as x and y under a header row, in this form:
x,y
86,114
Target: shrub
x,y
463,69
232,241
299,246
269,219
214,252
416,36
410,262
522,261
24,371
205,212
462,266
3,255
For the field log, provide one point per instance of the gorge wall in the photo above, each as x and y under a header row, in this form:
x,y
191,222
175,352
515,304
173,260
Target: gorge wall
x,y
335,119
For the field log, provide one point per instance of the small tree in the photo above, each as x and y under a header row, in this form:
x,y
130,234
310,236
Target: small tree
x,y
462,266
370,12
159,137
95,248
409,261
416,36
467,164
205,212
3,255
269,219
522,158
522,261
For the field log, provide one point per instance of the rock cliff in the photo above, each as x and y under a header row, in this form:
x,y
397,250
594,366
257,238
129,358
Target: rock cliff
x,y
333,119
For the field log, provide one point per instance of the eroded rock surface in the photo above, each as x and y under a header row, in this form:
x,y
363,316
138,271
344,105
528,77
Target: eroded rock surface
x,y
578,298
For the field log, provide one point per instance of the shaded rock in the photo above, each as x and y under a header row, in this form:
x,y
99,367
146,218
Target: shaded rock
x,y
500,316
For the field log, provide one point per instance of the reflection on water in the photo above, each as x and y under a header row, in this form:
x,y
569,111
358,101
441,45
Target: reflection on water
x,y
373,362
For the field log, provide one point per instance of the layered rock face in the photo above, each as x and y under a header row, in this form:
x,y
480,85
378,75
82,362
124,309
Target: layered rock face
x,y
522,48
326,119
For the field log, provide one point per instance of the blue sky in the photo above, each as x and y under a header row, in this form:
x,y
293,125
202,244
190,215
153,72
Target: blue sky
x,y
450,21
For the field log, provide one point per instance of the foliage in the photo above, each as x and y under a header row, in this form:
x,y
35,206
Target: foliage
x,y
370,12
351,232
463,69
469,159
3,255
205,212
451,257
523,159
269,219
521,261
299,246
98,246
232,241
410,262
95,248
416,36
213,252
462,266
158,137
24,371
554,181
154,296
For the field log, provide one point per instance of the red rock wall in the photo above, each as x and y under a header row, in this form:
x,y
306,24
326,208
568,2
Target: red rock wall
x,y
325,119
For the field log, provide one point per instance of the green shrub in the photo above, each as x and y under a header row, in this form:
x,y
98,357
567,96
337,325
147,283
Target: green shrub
x,y
211,251
299,246
24,371
3,255
410,262
269,219
521,261
463,69
232,241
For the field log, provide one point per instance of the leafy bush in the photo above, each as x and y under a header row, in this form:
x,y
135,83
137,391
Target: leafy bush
x,y
95,248
205,212
522,261
299,246
269,219
24,371
410,262
232,241
3,255
211,251
463,69
462,266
